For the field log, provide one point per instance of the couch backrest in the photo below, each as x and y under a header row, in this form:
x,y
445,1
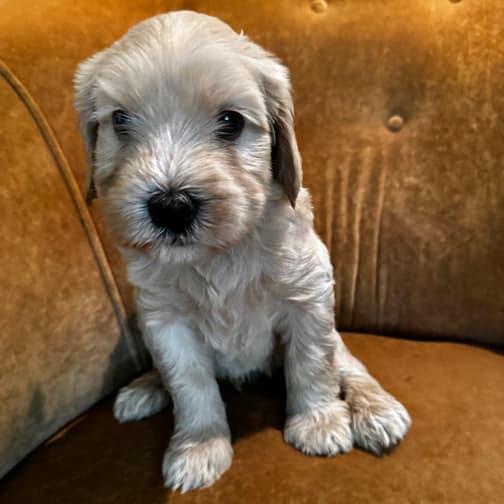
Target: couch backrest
x,y
399,118
65,341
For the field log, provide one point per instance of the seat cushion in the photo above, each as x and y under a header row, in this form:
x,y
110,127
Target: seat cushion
x,y
453,453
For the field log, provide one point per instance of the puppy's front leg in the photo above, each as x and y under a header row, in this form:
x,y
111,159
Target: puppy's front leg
x,y
318,421
200,449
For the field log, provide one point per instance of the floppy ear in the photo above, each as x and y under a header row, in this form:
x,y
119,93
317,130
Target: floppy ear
x,y
286,160
85,86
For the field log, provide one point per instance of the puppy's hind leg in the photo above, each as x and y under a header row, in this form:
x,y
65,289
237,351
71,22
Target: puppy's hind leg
x,y
318,421
378,421
143,397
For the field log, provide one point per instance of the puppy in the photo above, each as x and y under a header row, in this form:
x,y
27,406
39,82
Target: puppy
x,y
190,137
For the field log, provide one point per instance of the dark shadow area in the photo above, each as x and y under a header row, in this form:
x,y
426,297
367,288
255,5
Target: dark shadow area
x,y
22,438
94,461
97,460
259,405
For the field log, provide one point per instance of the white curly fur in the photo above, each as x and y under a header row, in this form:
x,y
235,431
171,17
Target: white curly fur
x,y
253,267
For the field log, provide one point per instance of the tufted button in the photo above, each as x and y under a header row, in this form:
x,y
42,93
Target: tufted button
x,y
395,123
455,1
319,6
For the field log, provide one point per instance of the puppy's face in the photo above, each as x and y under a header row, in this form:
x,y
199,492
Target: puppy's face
x,y
187,125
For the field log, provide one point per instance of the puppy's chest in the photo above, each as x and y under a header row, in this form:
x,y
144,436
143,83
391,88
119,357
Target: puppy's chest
x,y
236,317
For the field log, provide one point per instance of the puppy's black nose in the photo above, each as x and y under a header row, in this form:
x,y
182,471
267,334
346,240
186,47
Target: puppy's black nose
x,y
173,210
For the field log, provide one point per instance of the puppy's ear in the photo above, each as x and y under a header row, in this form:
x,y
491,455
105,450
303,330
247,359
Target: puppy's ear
x,y
85,87
286,160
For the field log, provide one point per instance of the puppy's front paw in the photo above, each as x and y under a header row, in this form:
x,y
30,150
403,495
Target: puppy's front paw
x,y
324,432
196,465
143,397
379,422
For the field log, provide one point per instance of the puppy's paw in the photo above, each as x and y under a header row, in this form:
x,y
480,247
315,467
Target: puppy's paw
x,y
143,397
379,422
324,432
196,465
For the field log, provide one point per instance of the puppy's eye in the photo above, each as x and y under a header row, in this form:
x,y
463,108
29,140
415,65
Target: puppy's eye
x,y
121,121
230,125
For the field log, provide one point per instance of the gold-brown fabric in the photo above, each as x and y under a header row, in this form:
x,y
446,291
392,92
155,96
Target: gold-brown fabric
x,y
399,118
61,343
413,218
454,452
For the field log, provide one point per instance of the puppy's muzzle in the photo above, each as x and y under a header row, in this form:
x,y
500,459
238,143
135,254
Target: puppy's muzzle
x,y
174,211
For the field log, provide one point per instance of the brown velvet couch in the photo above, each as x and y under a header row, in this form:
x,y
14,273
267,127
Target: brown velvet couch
x,y
400,120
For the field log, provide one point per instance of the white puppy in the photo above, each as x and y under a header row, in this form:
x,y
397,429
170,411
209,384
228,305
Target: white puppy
x,y
190,136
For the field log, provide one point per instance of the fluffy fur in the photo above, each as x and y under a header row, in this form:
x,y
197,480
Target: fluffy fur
x,y
212,302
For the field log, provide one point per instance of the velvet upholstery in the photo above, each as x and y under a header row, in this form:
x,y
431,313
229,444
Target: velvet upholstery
x,y
399,107
411,217
453,454
61,343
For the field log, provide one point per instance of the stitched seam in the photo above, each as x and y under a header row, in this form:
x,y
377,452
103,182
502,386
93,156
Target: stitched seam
x,y
83,214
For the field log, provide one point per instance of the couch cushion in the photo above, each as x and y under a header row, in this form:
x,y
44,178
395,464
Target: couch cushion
x,y
413,216
453,453
64,342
